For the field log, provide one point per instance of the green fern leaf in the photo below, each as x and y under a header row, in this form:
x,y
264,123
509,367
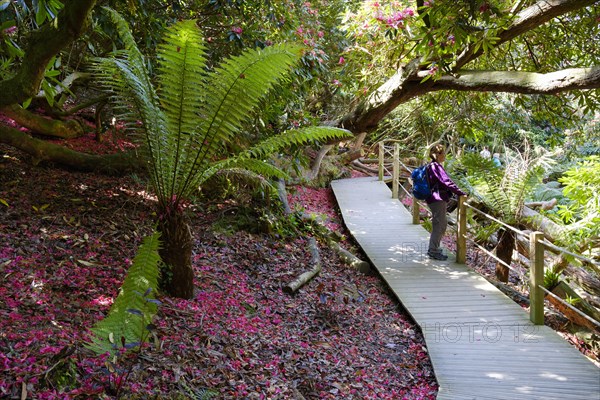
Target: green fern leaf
x,y
295,137
236,88
134,307
188,124
182,81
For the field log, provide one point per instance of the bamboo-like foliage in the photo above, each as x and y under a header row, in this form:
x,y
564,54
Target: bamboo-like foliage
x,y
187,123
126,323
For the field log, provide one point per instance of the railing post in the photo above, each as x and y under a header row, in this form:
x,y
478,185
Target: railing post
x,y
416,211
381,159
461,233
396,171
536,272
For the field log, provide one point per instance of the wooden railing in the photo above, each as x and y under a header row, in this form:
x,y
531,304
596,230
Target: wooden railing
x,y
537,242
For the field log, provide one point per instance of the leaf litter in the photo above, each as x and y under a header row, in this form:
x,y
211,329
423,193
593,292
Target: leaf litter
x,y
67,239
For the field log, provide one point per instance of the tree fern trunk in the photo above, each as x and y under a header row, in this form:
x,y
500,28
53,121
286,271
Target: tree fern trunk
x,y
176,252
504,251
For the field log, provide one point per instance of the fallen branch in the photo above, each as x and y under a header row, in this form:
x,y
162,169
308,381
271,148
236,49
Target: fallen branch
x,y
578,314
315,261
349,258
282,194
331,238
544,205
363,168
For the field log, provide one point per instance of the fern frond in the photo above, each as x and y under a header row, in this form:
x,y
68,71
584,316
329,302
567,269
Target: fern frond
x,y
133,53
247,176
503,191
234,90
125,77
182,79
295,137
256,166
485,182
135,306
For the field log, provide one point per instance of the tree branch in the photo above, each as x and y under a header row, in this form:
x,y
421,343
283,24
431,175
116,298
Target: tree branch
x,y
520,82
407,83
45,126
526,20
42,45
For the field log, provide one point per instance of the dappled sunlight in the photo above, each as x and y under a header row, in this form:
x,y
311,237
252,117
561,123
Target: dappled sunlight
x,y
487,287
102,301
498,376
142,194
551,375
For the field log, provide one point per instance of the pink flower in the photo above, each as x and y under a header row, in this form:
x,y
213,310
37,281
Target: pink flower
x,y
341,61
237,30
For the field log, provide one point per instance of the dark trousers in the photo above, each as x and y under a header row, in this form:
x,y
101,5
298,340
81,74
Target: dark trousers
x,y
439,222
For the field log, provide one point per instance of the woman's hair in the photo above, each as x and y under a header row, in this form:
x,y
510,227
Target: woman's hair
x,y
435,150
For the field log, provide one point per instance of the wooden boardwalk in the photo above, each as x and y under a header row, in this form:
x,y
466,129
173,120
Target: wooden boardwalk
x,y
482,344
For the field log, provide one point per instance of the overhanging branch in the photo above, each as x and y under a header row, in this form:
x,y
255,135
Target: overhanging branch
x,y
520,82
526,20
407,83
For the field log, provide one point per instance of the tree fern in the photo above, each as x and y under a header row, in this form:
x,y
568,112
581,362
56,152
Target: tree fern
x,y
503,191
188,123
127,320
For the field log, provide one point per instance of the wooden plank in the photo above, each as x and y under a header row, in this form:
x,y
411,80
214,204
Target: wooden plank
x,y
481,344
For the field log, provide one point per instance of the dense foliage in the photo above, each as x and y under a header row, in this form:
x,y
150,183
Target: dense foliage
x,y
582,212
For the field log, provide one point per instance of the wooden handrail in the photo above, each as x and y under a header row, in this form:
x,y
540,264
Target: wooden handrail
x,y
461,233
395,171
565,251
536,239
488,216
536,278
537,242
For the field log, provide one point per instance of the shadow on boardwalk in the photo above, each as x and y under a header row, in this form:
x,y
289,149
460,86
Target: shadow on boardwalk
x,y
482,344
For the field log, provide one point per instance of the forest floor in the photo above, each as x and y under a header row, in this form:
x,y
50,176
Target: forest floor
x,y
67,239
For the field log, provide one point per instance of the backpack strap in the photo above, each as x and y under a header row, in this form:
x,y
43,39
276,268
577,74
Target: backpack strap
x,y
434,187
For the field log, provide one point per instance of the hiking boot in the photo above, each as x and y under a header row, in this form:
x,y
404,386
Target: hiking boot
x,y
437,256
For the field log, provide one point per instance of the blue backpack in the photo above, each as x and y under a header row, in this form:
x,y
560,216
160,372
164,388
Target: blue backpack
x,y
421,189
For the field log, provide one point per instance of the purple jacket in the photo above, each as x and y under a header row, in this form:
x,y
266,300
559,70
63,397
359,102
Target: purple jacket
x,y
440,183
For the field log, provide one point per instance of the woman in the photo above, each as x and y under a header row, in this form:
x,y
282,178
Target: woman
x,y
496,160
441,188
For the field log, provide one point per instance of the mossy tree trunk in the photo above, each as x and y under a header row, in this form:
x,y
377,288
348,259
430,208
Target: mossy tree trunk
x,y
40,150
504,252
43,44
68,129
176,252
